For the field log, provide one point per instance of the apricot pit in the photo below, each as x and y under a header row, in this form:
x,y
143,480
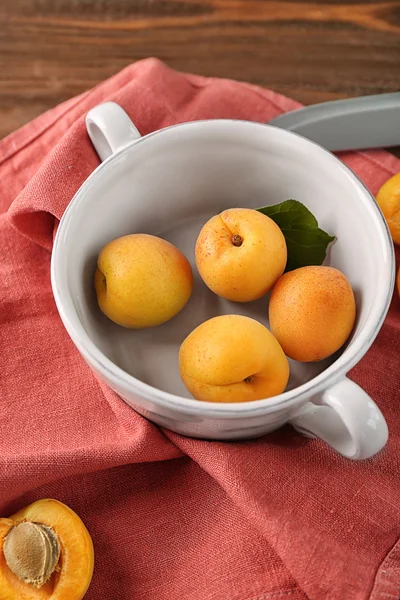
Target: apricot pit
x,y
32,552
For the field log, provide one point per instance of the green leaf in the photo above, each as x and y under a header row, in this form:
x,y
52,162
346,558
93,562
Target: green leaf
x,y
307,244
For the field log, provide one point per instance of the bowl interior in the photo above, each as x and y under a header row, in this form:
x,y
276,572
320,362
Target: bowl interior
x,y
169,184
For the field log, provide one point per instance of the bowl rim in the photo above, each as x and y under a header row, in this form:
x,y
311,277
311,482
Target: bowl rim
x,y
128,384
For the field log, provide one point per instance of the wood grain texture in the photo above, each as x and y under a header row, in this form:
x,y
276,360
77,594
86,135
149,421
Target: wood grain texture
x,y
51,50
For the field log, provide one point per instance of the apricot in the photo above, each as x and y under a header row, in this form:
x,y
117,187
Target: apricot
x,y
388,199
46,553
312,311
232,358
142,281
240,253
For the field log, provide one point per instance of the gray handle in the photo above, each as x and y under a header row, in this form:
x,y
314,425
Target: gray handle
x,y
366,122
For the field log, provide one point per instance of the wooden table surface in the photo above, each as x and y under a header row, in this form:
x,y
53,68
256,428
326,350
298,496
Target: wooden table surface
x,y
51,50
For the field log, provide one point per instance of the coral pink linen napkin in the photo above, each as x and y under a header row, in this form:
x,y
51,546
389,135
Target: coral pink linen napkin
x,y
172,518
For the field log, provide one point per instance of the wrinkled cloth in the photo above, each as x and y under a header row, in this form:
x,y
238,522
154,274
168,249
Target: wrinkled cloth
x,y
280,517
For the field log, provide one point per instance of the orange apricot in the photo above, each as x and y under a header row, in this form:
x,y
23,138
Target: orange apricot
x,y
388,199
312,311
240,253
232,358
46,553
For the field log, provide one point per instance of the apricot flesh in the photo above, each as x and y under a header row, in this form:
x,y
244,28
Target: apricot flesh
x,y
312,311
73,574
240,253
232,358
142,281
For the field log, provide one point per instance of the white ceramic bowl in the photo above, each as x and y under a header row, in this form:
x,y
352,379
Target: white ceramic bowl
x,y
169,183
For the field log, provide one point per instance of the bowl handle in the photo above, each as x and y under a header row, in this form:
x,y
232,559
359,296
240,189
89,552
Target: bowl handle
x,y
110,129
346,418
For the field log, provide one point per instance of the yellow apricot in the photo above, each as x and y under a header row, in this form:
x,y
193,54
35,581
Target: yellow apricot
x,y
240,253
388,199
142,281
312,311
232,358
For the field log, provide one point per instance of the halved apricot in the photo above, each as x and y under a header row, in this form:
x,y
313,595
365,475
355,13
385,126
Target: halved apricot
x,y
46,553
